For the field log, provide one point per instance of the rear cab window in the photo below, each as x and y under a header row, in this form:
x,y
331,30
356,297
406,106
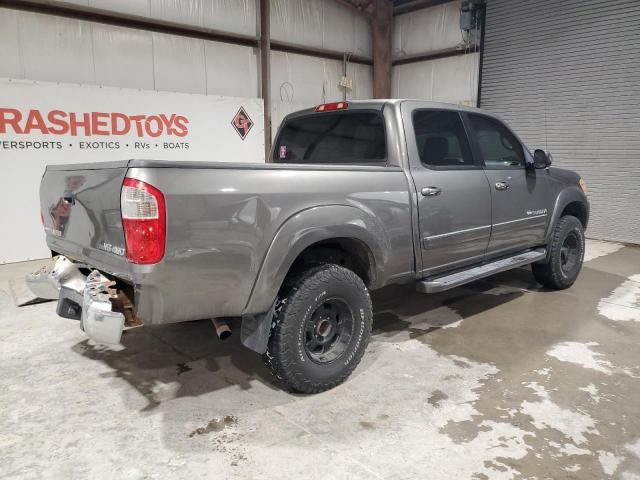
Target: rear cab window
x,y
342,137
441,139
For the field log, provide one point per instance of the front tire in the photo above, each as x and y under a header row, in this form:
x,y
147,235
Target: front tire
x,y
321,329
566,253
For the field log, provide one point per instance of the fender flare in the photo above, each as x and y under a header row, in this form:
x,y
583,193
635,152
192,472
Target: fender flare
x,y
306,228
297,233
565,197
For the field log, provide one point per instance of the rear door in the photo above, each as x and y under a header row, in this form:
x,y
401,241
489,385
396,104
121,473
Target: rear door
x,y
519,196
453,196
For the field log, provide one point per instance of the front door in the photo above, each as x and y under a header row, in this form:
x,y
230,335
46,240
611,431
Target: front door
x,y
519,199
453,196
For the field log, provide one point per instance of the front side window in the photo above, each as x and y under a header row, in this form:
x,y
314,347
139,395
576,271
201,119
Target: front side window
x,y
333,137
441,139
498,146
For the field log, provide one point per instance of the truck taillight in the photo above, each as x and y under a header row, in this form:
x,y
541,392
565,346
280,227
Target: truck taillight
x,y
144,221
329,107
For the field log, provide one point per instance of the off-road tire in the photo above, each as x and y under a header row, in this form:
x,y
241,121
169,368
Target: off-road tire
x,y
287,356
551,274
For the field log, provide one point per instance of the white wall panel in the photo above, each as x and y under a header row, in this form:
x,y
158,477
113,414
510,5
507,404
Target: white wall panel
x,y
55,48
449,80
130,7
321,24
427,30
236,16
84,3
189,12
231,70
297,21
299,82
11,63
112,67
179,64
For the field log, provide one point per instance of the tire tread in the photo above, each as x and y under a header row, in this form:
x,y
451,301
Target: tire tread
x,y
300,291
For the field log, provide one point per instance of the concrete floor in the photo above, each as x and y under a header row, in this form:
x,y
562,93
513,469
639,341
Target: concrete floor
x,y
497,380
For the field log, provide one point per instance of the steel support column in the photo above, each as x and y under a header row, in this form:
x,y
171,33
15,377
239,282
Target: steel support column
x,y
265,72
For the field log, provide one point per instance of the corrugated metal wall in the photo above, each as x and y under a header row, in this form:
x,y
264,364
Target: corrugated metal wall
x,y
453,79
565,74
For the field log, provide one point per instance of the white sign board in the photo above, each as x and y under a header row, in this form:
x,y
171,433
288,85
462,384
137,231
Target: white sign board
x,y
47,123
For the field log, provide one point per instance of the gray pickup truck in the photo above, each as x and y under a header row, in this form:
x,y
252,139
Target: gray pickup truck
x,y
356,196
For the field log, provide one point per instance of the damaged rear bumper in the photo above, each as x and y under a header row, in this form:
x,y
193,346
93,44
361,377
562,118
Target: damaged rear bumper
x,y
92,299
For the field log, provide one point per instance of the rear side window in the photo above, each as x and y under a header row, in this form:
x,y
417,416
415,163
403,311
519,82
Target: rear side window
x,y
342,137
499,147
441,139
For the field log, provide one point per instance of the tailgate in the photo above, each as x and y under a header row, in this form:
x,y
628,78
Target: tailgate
x,y
80,206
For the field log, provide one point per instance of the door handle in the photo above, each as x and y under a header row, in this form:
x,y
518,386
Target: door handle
x,y
502,186
431,191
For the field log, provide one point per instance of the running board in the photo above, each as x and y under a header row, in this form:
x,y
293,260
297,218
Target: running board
x,y
440,284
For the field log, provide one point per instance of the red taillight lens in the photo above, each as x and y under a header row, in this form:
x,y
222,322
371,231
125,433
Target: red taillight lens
x,y
144,221
328,107
42,217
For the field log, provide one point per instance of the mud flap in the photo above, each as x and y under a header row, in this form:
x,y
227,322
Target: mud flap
x,y
254,333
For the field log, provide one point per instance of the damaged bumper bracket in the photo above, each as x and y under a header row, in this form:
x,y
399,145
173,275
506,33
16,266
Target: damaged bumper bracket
x,y
99,321
89,299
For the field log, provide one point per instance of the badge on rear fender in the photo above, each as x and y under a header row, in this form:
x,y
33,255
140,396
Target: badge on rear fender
x,y
107,247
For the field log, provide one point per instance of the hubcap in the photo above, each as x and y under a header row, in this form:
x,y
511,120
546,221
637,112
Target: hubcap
x,y
329,331
569,253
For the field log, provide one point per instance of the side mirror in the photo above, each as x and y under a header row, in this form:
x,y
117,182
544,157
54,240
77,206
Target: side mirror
x,y
541,159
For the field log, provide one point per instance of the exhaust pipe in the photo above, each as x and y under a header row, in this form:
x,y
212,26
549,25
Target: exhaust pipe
x,y
222,328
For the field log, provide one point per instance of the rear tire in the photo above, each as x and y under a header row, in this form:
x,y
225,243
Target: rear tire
x,y
321,329
566,253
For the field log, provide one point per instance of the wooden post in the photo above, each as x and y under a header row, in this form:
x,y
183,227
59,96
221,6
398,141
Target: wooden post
x,y
381,30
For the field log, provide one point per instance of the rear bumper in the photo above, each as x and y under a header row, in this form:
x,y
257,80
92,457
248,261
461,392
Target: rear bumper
x,y
89,298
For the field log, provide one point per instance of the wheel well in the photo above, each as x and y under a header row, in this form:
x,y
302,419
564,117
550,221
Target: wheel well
x,y
578,210
350,253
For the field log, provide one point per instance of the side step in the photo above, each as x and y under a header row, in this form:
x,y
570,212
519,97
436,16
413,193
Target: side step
x,y
440,284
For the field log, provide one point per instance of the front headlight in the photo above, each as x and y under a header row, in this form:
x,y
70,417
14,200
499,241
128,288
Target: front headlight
x,y
583,186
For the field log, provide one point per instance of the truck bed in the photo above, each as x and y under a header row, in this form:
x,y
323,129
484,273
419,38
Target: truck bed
x,y
221,221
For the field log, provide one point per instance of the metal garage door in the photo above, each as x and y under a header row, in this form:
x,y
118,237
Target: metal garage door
x,y
566,75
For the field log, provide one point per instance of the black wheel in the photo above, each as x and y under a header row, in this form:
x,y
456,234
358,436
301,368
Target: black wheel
x,y
566,255
321,329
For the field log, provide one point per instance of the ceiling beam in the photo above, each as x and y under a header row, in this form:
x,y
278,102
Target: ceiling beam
x,y
362,7
413,5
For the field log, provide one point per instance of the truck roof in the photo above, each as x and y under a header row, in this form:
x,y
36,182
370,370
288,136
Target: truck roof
x,y
379,103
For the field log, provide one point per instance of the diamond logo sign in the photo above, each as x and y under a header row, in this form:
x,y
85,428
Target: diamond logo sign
x,y
242,123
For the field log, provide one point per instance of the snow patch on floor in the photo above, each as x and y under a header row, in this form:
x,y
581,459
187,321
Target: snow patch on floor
x,y
624,302
592,390
581,354
634,448
569,449
546,414
411,423
595,249
573,425
609,462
